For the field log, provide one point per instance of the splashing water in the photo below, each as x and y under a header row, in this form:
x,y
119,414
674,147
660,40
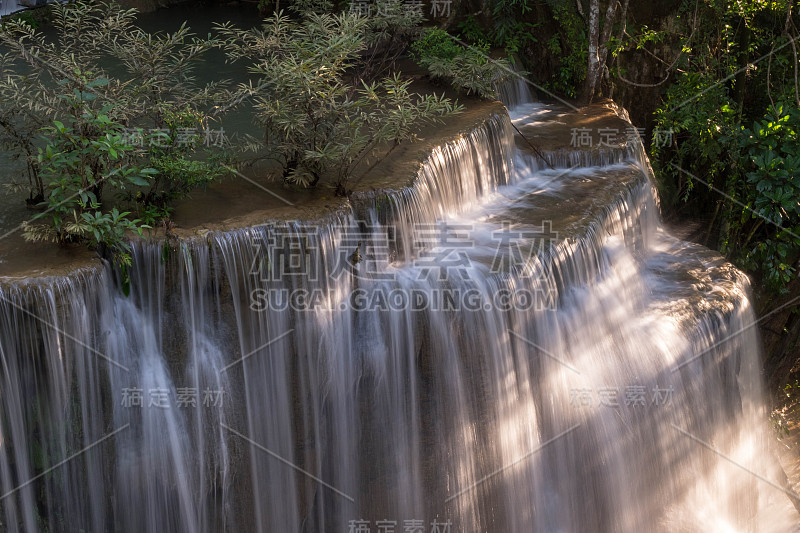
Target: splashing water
x,y
501,347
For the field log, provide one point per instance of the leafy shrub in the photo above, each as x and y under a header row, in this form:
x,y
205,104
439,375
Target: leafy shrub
x,y
73,123
772,173
387,35
755,171
468,69
318,123
509,31
572,44
436,44
78,160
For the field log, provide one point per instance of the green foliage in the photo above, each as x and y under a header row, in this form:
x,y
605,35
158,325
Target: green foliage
x,y
388,33
77,161
318,123
25,17
510,30
570,45
774,149
388,29
735,126
755,170
437,44
772,173
705,129
74,123
468,69
175,152
470,30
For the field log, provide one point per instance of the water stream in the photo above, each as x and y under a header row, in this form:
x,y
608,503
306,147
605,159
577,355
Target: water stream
x,y
502,347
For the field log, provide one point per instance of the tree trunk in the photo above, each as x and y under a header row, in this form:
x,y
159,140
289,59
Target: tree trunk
x,y
611,12
598,44
593,67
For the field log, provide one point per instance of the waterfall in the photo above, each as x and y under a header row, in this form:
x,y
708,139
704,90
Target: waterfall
x,y
516,90
499,347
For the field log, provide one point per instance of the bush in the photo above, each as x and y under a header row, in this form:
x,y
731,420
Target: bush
x,y
758,216
467,69
772,172
318,122
101,150
735,123
78,160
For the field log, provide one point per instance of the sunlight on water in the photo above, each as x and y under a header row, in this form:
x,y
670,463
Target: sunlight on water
x,y
501,347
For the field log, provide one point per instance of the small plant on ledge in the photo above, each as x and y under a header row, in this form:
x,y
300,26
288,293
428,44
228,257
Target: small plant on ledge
x,y
319,121
106,156
467,68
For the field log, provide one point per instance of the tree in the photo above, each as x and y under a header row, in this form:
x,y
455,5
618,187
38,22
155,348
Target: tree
x,y
599,43
319,121
735,125
469,69
82,131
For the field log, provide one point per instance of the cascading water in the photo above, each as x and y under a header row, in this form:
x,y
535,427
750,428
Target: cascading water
x,y
497,348
515,92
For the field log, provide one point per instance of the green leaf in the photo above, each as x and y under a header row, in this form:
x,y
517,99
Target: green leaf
x,y
139,181
99,82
